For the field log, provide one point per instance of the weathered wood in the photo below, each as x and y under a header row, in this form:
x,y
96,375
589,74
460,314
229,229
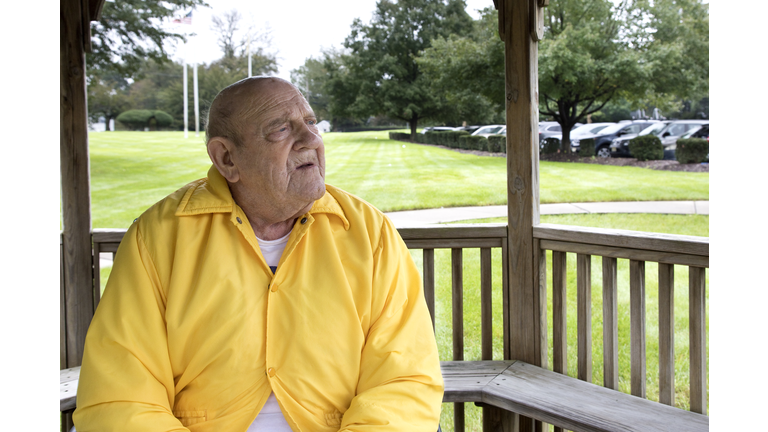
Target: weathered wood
x,y
637,327
559,313
634,254
428,264
68,380
610,325
108,235
540,257
486,303
667,334
584,316
454,231
454,243
75,185
624,239
457,284
580,406
62,311
698,339
506,320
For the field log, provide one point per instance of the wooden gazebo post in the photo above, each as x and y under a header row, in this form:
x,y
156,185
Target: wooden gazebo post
x,y
521,27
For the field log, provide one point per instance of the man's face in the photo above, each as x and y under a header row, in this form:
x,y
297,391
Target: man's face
x,y
282,158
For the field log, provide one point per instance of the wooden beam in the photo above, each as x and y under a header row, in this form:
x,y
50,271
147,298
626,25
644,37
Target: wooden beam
x,y
75,187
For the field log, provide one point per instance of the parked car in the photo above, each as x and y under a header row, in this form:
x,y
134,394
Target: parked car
x,y
674,130
491,130
437,129
620,145
469,129
604,138
577,132
549,129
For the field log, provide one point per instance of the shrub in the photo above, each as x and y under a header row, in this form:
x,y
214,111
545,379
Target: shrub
x,y
646,147
451,138
587,147
496,143
550,145
432,137
474,142
692,150
401,136
141,119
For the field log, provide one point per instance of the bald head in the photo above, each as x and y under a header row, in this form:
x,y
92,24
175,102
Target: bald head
x,y
233,107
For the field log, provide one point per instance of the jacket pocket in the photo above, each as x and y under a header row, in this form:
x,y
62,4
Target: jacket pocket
x,y
188,418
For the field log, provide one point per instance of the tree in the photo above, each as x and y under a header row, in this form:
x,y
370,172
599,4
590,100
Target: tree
x,y
130,31
107,97
379,74
467,72
584,61
311,78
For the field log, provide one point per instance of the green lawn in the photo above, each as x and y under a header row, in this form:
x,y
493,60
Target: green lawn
x,y
132,170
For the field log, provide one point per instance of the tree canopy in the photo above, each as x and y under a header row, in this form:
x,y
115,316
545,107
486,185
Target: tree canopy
x,y
379,75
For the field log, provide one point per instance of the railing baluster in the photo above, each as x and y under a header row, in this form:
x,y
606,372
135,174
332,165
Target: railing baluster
x,y
559,313
428,264
457,275
610,325
584,315
698,341
505,297
637,326
667,334
486,304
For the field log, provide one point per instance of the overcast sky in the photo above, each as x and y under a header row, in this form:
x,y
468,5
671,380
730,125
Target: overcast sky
x,y
300,28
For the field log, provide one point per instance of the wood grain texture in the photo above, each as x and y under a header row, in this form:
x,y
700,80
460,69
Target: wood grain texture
x,y
637,327
68,380
669,243
628,253
428,263
486,303
540,257
62,312
454,231
108,235
457,284
75,181
559,313
698,339
610,325
584,316
667,334
464,243
506,320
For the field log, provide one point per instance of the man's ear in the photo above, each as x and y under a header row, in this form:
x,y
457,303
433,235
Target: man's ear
x,y
220,151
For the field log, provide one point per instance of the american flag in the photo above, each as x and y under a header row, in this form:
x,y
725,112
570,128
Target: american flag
x,y
187,19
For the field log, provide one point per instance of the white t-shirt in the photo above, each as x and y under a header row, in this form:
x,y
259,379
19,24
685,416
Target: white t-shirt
x,y
270,418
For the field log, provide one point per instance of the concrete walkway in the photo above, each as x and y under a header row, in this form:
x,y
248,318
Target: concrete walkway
x,y
411,218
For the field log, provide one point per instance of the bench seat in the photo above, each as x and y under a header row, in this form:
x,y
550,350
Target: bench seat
x,y
533,392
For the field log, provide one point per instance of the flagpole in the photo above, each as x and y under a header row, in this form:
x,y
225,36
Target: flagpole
x,y
197,105
249,56
186,97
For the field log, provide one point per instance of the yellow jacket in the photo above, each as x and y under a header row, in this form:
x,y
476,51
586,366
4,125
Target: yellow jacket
x,y
194,330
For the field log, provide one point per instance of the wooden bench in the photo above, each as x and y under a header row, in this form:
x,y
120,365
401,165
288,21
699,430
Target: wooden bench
x,y
533,392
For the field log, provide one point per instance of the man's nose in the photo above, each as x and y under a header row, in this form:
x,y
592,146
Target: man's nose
x,y
308,137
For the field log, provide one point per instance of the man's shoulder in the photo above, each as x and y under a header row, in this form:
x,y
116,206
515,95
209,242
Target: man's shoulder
x,y
166,210
355,207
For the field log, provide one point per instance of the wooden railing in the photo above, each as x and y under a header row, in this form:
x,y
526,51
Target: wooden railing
x,y
611,245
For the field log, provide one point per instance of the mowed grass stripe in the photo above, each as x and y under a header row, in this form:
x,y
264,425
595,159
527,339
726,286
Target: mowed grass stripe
x,y
130,171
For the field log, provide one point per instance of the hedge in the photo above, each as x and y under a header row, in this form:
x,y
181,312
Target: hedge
x,y
473,142
550,145
646,147
497,143
587,147
140,119
399,136
692,150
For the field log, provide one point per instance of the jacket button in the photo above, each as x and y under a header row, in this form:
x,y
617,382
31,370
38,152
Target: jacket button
x,y
239,220
303,221
271,372
274,288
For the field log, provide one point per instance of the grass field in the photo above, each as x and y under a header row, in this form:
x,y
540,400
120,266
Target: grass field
x,y
132,170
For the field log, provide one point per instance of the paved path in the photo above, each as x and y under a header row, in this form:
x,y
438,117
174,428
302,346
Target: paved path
x,y
453,214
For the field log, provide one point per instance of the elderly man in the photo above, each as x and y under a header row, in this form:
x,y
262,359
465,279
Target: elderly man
x,y
260,298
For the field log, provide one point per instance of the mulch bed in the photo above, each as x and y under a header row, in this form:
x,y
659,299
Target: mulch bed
x,y
665,165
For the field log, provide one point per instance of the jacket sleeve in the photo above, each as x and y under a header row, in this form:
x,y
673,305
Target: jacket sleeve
x,y
126,381
400,385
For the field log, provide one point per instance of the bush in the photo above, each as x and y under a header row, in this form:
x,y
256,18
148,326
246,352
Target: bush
x,y
587,147
646,147
550,145
400,136
141,119
496,143
451,138
473,142
692,150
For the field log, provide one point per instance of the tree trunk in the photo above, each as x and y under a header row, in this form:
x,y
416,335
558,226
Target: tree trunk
x,y
565,142
412,123
106,126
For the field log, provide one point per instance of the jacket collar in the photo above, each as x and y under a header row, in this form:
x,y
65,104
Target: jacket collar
x,y
212,195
